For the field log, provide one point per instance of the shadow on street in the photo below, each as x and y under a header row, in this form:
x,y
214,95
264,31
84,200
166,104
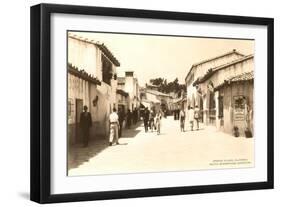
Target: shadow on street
x,y
77,155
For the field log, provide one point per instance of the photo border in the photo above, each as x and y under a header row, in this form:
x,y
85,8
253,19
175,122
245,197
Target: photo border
x,y
40,184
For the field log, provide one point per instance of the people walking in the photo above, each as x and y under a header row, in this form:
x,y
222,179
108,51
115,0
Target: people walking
x,y
158,118
178,113
146,119
151,120
114,125
121,117
165,113
182,119
191,117
85,125
196,116
135,116
129,119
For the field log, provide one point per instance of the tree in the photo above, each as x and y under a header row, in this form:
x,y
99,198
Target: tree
x,y
157,81
168,87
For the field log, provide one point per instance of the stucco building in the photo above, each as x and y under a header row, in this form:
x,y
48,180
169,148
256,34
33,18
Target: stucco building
x,y
156,99
122,100
95,61
222,88
130,85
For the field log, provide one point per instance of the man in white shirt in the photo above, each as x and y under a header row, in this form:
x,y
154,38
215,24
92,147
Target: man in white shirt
x,y
114,125
196,116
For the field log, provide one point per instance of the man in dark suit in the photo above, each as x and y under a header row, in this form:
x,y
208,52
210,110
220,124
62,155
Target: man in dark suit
x,y
146,119
121,117
85,125
129,118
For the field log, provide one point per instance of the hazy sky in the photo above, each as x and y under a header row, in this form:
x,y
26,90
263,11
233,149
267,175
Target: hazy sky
x,y
164,56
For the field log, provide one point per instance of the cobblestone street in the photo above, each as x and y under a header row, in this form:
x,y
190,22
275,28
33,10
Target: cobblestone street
x,y
172,150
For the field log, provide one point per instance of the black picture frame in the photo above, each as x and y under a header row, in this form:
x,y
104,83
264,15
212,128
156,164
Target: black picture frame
x,y
41,99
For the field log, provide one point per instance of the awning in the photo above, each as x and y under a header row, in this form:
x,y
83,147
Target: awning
x,y
198,99
153,100
146,104
192,104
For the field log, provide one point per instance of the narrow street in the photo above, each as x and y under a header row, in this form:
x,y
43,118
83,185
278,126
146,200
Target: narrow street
x,y
172,150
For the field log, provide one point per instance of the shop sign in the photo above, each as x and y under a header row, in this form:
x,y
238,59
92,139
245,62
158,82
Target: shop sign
x,y
239,108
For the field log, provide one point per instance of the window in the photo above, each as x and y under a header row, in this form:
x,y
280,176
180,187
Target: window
x,y
220,106
239,107
70,108
212,107
106,70
212,101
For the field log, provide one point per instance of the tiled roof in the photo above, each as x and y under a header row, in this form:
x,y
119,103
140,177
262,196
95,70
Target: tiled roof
x,y
157,93
177,100
234,51
145,100
121,92
212,71
82,74
217,57
238,78
242,77
101,46
152,86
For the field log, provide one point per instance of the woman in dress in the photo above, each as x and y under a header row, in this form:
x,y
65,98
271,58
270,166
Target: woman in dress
x,y
182,120
158,118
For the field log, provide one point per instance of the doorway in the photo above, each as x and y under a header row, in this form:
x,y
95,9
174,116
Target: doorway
x,y
212,109
78,111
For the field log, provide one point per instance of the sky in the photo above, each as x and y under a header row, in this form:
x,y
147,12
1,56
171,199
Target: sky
x,y
169,57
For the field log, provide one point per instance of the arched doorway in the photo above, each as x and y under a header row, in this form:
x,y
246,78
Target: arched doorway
x,y
211,104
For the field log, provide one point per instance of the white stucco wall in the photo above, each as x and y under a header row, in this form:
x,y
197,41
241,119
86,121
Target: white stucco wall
x,y
233,70
87,56
151,97
83,55
77,89
200,70
131,87
113,93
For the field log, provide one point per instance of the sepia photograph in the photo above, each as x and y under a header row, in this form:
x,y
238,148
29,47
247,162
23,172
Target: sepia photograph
x,y
150,103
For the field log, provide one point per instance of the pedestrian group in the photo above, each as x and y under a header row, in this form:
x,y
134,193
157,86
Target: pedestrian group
x,y
116,122
193,116
151,120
